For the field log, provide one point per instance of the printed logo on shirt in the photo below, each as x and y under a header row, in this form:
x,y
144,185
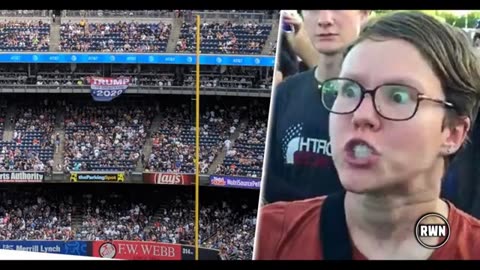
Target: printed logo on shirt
x,y
305,151
432,230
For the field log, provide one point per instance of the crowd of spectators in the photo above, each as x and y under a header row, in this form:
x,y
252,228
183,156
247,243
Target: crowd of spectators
x,y
131,212
113,137
112,217
35,214
104,137
230,230
170,152
173,145
227,222
174,221
244,156
25,35
114,37
248,36
217,125
33,141
224,38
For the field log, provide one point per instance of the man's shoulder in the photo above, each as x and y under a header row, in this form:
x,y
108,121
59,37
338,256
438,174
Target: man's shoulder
x,y
296,90
301,77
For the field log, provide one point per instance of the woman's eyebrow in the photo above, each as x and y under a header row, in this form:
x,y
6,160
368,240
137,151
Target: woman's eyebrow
x,y
401,80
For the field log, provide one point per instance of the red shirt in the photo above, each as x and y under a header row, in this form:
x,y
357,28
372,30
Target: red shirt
x,y
289,231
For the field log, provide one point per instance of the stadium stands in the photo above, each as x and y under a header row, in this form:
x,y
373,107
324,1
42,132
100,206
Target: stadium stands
x,y
215,124
130,212
117,13
225,38
33,139
114,37
228,219
173,146
85,122
105,138
135,133
34,213
244,156
230,78
18,36
171,152
119,219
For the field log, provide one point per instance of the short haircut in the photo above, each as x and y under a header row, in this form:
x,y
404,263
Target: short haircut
x,y
447,49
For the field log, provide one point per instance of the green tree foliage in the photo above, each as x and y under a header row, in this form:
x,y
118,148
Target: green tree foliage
x,y
445,16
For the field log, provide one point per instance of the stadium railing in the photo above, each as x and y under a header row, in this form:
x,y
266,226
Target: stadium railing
x,y
226,15
34,256
119,13
254,16
25,13
94,250
136,89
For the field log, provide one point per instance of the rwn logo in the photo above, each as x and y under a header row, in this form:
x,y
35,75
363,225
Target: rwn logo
x,y
432,230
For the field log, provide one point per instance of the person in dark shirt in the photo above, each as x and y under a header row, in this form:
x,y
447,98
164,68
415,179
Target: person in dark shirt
x,y
287,64
298,153
462,182
397,121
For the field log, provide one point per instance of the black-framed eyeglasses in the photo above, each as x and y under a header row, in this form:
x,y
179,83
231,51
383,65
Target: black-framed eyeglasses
x,y
394,102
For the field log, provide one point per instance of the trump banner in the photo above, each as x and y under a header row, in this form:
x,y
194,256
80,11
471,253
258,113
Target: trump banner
x,y
105,89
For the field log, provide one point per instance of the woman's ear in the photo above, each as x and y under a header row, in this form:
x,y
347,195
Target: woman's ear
x,y
455,135
365,16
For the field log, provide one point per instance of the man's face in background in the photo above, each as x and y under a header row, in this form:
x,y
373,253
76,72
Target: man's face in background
x,y
331,31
